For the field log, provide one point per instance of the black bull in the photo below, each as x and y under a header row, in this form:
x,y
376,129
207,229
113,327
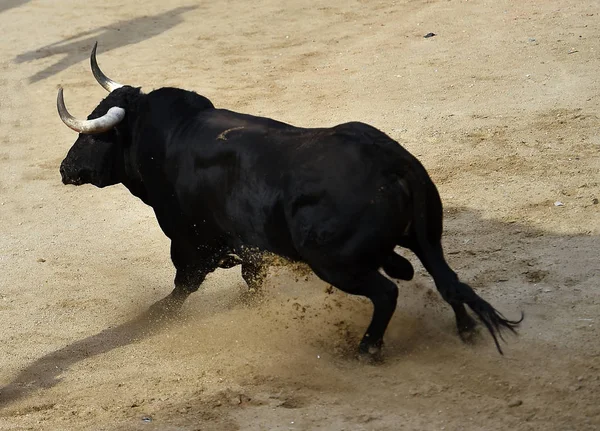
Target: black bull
x,y
339,199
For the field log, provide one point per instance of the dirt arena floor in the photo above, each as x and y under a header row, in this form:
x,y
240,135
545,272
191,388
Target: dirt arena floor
x,y
502,106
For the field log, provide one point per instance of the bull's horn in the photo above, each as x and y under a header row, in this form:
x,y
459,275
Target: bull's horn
x,y
108,84
98,125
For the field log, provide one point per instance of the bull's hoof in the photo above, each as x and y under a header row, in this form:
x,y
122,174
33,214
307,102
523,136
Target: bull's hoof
x,y
253,290
468,331
370,354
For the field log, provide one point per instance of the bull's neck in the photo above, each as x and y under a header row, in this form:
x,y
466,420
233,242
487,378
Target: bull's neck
x,y
130,178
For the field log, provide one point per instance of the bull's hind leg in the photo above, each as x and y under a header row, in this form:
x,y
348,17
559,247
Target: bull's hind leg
x,y
382,292
254,269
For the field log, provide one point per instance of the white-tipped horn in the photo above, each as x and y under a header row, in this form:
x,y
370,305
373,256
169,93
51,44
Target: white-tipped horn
x,y
98,125
108,84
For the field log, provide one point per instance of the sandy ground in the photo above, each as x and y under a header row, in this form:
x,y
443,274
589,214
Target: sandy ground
x,y
502,106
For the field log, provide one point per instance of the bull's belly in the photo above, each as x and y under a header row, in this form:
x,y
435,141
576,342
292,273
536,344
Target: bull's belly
x,y
273,240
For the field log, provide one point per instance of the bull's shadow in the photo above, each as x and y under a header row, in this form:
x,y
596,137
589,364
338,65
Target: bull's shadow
x,y
9,4
485,253
44,373
122,33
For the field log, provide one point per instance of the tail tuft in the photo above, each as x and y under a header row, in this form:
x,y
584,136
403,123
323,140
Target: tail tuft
x,y
493,320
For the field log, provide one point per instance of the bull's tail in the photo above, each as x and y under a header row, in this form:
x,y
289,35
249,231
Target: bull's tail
x,y
425,242
493,320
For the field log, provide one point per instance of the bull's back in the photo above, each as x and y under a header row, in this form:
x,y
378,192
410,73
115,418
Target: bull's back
x,y
271,185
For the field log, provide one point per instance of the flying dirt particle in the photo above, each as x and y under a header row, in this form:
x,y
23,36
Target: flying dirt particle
x,y
428,35
515,403
535,276
292,402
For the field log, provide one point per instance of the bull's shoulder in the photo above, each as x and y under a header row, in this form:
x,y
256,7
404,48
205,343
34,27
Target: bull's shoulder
x,y
176,98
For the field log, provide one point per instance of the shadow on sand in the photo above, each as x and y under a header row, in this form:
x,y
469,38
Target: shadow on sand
x,y
77,47
9,4
44,373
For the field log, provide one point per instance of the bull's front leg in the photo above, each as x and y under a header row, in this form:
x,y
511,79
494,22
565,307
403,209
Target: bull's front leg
x,y
254,273
254,268
191,265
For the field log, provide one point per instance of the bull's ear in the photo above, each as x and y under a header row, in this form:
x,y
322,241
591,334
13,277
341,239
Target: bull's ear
x,y
128,98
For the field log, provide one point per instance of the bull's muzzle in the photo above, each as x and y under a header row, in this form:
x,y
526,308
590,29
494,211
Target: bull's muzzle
x,y
69,178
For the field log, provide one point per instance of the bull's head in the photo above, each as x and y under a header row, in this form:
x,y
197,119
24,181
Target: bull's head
x,y
96,156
